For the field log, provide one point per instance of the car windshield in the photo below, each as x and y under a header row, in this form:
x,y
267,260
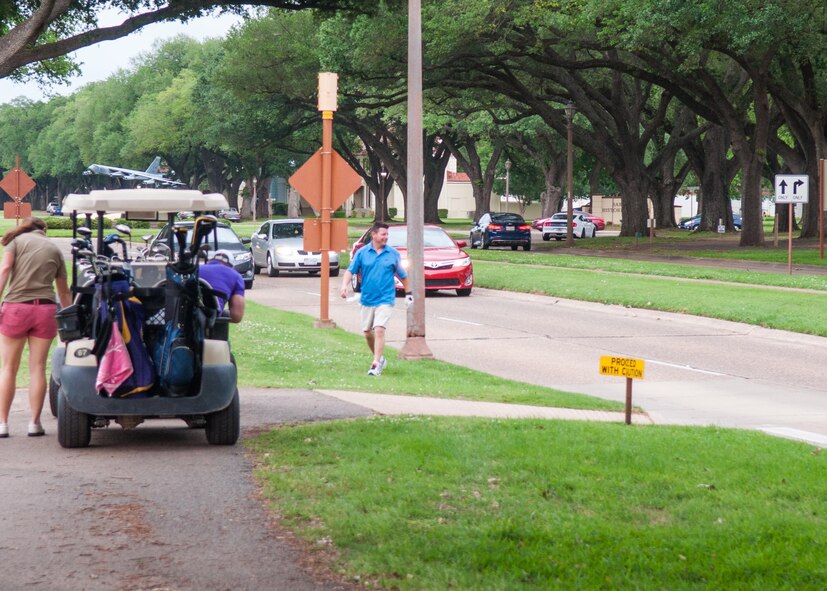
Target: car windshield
x,y
507,218
293,230
559,216
227,239
433,238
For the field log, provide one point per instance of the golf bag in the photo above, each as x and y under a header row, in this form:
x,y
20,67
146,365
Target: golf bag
x,y
120,312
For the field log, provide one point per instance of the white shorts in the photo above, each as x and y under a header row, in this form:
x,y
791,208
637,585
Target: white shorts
x,y
373,316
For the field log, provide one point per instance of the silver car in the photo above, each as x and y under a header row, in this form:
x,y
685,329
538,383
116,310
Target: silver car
x,y
278,246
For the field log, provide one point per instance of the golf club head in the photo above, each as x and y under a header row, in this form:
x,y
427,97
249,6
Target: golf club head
x,y
124,229
84,231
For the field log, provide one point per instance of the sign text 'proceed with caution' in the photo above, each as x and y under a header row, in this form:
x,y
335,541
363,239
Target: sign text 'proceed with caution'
x,y
622,367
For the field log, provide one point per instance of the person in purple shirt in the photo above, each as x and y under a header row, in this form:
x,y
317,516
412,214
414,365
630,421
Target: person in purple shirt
x,y
223,278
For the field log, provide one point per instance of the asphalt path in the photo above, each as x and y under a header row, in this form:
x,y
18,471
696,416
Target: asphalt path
x,y
699,371
154,508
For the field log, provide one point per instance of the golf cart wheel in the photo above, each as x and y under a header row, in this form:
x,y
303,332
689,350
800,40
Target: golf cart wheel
x,y
54,388
223,426
356,283
271,270
73,428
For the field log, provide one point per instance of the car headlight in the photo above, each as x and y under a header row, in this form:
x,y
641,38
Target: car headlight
x,y
243,257
285,250
461,262
405,264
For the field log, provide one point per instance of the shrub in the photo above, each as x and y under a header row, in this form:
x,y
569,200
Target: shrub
x,y
392,211
279,209
339,213
442,213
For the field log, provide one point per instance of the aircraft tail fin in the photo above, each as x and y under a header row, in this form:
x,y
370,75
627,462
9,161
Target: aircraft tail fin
x,y
155,166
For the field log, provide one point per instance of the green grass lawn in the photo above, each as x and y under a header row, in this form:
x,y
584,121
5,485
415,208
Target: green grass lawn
x,y
277,349
472,504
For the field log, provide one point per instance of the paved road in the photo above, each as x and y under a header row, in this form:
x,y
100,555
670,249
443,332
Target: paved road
x,y
150,509
698,371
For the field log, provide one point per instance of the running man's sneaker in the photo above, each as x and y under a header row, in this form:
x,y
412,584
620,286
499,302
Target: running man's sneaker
x,y
36,430
4,430
382,364
375,369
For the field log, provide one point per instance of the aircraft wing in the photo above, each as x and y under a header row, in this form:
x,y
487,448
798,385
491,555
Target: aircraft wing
x,y
129,174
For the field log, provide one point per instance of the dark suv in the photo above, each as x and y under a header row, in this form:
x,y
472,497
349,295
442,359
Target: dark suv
x,y
227,240
501,229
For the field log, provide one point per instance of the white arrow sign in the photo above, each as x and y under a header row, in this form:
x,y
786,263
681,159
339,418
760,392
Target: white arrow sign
x,y
792,188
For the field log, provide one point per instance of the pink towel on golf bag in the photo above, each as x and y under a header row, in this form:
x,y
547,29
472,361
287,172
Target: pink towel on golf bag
x,y
116,365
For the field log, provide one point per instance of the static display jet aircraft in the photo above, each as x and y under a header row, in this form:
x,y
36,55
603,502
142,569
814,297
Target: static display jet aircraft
x,y
150,176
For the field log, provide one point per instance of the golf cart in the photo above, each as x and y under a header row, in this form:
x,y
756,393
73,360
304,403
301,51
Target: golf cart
x,y
143,339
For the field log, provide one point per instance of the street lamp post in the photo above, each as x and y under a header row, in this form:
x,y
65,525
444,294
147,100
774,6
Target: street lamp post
x,y
383,174
507,182
570,111
255,198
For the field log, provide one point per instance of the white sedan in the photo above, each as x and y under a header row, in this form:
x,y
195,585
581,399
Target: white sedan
x,y
278,247
555,227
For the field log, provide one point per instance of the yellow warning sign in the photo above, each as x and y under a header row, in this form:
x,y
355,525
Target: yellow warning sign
x,y
622,367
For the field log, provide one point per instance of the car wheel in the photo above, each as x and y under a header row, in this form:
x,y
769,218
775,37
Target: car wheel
x,y
546,237
464,292
583,233
248,284
356,283
271,270
514,247
73,428
558,238
54,388
256,268
471,241
486,241
527,246
334,272
223,426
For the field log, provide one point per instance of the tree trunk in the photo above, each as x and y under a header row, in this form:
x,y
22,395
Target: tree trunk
x,y
634,212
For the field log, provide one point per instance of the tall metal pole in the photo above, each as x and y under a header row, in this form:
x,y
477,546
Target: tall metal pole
x,y
507,183
415,346
327,199
570,174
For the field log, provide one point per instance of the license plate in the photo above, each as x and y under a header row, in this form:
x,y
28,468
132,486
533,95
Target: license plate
x,y
510,228
311,261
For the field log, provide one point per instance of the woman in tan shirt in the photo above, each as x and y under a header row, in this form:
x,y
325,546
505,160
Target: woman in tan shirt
x,y
31,264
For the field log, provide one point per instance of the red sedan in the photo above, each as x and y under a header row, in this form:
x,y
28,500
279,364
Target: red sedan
x,y
599,222
447,266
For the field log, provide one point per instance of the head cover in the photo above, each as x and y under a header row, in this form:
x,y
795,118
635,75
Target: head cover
x,y
223,256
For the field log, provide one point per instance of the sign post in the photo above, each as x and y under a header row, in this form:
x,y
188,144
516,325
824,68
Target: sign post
x,y
822,202
791,189
17,184
325,181
631,369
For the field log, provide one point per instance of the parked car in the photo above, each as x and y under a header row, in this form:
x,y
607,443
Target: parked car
x,y
227,240
599,222
556,226
447,266
538,223
694,223
231,215
54,208
186,215
501,229
278,246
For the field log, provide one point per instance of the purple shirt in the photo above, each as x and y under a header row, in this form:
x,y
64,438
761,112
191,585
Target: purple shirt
x,y
223,279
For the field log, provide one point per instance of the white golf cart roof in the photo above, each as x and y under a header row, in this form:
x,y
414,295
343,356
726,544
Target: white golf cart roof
x,y
144,203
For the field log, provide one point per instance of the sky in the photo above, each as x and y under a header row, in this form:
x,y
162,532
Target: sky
x,y
104,59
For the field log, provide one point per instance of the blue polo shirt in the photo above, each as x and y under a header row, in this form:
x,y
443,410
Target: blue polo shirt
x,y
377,269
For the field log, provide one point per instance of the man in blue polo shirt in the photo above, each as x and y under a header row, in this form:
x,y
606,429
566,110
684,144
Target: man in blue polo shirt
x,y
378,263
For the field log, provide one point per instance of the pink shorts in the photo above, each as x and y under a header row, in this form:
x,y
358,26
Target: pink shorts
x,y
18,320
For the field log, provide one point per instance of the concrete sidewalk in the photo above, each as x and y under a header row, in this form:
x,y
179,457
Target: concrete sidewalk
x,y
386,404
